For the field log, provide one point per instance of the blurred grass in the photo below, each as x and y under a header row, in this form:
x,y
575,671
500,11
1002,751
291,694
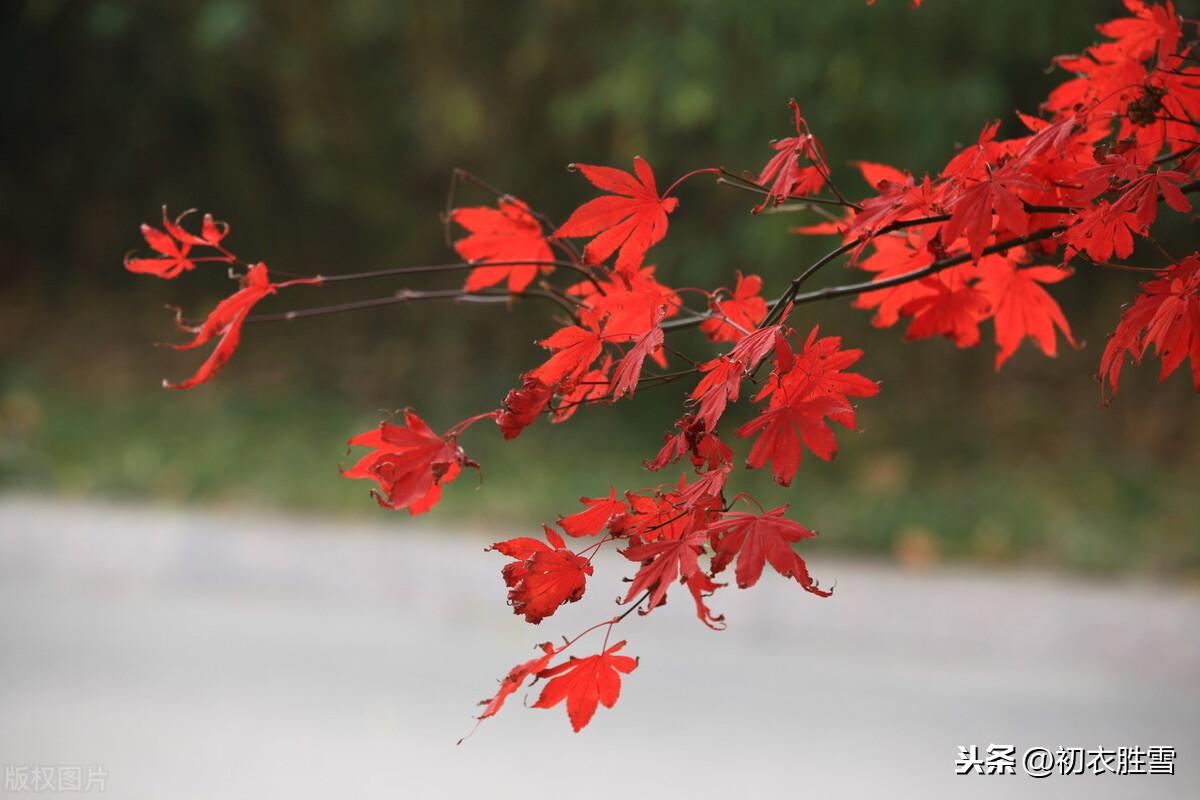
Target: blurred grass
x,y
917,499
954,461
326,133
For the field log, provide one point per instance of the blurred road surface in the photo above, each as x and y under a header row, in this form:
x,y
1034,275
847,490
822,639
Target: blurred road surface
x,y
223,654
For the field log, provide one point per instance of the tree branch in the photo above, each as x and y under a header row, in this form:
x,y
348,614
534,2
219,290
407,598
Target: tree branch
x,y
410,296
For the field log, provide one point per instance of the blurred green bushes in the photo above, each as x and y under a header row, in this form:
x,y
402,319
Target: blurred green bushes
x,y
326,133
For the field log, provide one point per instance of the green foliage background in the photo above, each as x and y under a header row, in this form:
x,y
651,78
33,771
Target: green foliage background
x,y
326,133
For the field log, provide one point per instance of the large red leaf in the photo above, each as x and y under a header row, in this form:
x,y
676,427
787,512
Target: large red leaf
x,y
410,463
543,576
1022,307
758,539
507,234
585,683
225,323
632,219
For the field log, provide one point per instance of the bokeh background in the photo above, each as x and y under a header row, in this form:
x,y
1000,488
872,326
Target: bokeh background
x,y
326,134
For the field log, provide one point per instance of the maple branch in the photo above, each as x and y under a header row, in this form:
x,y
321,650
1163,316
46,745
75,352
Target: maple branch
x,y
454,266
945,263
824,173
937,266
608,622
778,305
692,174
792,295
747,185
632,608
648,382
409,295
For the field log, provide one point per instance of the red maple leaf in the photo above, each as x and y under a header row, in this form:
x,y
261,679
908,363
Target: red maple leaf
x,y
174,246
630,303
663,562
515,678
805,389
820,368
1102,230
174,258
1166,314
700,586
883,177
1101,88
410,463
212,231
720,385
629,369
899,197
740,313
575,347
668,514
521,407
953,309
592,520
1178,83
632,218
722,376
758,539
973,203
894,256
798,166
585,683
225,321
1106,229
782,429
703,494
507,234
543,577
1153,29
592,386
691,438
1022,307
1141,195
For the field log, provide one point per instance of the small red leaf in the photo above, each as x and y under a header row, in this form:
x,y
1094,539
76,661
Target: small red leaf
x,y
592,520
501,237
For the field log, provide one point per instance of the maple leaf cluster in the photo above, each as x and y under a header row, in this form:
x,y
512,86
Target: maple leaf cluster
x,y
954,250
176,254
982,240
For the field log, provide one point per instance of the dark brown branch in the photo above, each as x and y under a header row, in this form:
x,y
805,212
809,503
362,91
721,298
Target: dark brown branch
x,y
791,295
750,186
647,382
455,266
409,296
747,185
937,266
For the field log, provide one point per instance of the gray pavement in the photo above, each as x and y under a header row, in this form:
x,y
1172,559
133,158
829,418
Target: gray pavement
x,y
204,654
